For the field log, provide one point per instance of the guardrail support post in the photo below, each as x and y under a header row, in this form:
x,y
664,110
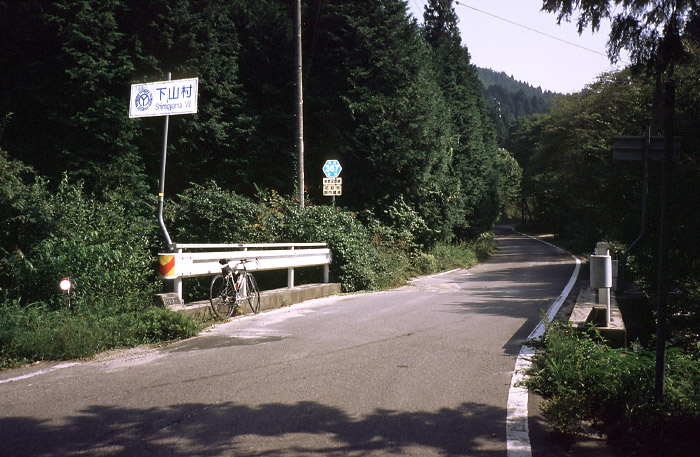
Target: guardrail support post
x,y
177,282
290,278
290,271
325,274
177,287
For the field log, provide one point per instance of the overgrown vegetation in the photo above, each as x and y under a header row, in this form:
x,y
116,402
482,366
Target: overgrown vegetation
x,y
398,105
584,381
572,187
508,100
105,247
404,119
108,247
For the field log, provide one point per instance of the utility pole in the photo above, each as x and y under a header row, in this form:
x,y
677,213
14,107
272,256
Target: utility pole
x,y
300,109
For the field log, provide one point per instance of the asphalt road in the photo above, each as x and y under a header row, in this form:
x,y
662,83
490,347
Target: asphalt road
x,y
421,370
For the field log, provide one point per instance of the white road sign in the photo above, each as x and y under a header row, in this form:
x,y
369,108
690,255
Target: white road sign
x,y
164,98
332,186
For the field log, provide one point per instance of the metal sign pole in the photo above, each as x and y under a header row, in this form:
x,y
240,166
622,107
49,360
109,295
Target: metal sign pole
x,y
300,104
645,192
164,98
663,243
161,189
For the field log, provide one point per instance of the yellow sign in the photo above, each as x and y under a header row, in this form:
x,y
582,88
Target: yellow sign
x,y
166,265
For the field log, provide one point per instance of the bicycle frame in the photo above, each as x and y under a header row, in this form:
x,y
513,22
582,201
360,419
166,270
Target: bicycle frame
x,y
238,287
242,289
237,275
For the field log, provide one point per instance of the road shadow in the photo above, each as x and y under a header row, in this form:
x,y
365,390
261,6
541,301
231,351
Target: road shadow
x,y
301,429
521,280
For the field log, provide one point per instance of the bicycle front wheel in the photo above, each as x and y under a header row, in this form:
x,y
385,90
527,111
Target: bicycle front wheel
x,y
252,293
222,297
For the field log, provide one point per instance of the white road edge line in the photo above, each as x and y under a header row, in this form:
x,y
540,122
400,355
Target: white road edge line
x,y
517,430
37,373
436,275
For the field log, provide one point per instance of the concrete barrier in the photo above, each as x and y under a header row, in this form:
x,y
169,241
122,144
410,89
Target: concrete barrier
x,y
587,311
269,299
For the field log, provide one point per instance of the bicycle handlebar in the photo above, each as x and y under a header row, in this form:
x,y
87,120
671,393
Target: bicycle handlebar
x,y
240,261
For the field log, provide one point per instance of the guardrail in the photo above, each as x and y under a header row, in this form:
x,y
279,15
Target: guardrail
x,y
269,256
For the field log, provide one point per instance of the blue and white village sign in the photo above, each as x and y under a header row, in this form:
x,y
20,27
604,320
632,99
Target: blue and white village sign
x,y
164,98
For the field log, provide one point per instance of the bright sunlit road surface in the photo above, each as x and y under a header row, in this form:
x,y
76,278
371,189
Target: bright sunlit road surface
x,y
422,370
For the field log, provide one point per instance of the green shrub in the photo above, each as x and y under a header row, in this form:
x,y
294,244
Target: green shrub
x,y
209,214
407,226
102,249
104,246
393,267
356,262
582,379
425,263
159,324
484,245
451,256
24,206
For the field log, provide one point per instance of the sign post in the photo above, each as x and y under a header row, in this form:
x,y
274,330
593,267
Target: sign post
x,y
332,184
646,149
634,147
665,149
164,98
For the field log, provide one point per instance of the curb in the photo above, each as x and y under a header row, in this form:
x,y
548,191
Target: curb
x,y
269,299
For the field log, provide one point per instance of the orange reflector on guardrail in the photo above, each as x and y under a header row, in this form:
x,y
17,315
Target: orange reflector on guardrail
x,y
166,265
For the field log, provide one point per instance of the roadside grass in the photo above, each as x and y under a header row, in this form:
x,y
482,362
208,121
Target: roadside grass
x,y
400,265
34,333
583,381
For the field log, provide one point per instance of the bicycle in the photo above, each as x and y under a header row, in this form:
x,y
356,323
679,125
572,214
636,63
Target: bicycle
x,y
233,287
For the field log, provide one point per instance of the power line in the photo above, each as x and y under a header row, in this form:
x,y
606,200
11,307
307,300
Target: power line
x,y
419,7
531,29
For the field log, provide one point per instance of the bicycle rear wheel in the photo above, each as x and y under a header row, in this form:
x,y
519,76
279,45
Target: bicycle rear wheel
x,y
222,297
252,296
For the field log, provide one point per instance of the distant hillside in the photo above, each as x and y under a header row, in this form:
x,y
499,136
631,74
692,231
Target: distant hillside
x,y
509,99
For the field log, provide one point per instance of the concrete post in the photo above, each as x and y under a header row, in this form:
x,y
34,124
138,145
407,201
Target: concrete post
x,y
601,279
602,248
290,278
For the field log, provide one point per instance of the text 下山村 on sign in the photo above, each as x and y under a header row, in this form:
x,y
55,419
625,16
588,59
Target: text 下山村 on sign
x,y
164,98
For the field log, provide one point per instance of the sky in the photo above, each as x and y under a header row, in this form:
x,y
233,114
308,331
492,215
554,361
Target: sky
x,y
529,56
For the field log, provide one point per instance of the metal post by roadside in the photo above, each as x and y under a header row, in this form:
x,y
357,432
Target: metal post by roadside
x,y
161,189
645,193
669,104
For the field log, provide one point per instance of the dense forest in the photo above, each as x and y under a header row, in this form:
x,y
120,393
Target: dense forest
x,y
397,104
508,99
376,99
572,186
